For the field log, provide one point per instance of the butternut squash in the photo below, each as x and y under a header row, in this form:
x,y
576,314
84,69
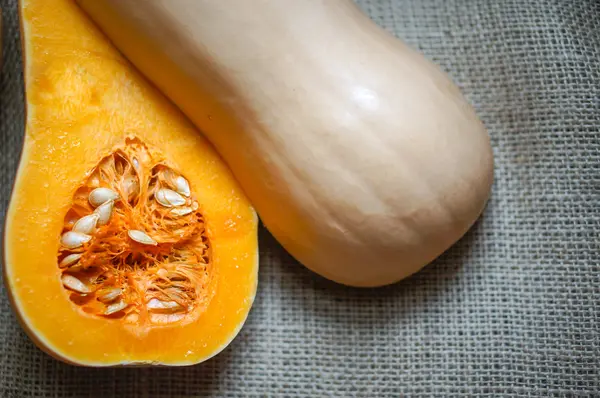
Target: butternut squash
x,y
361,156
127,240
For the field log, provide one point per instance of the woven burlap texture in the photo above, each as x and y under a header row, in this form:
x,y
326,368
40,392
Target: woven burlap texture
x,y
513,309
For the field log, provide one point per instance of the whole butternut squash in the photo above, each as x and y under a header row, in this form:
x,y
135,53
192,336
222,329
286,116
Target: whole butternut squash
x,y
360,155
127,239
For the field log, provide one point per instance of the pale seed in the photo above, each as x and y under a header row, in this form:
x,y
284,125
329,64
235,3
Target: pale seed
x,y
72,240
165,319
175,293
182,186
169,198
176,277
141,237
162,273
94,180
181,211
108,295
116,307
104,212
75,267
102,195
86,224
69,260
70,282
195,206
163,306
131,186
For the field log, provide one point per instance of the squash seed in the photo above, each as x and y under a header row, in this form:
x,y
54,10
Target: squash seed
x,y
73,240
182,186
108,295
101,195
169,198
195,206
163,306
116,307
94,180
69,260
71,282
86,224
104,212
162,273
175,276
181,211
165,319
76,267
141,237
131,187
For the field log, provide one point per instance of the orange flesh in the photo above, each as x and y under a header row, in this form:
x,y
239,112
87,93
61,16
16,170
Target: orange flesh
x,y
85,104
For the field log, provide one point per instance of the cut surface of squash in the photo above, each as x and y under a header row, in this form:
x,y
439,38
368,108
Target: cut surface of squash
x,y
127,240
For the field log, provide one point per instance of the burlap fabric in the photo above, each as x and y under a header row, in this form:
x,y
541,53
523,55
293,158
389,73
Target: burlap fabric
x,y
511,310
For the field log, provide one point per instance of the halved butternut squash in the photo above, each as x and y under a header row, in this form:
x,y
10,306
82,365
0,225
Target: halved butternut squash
x,y
127,240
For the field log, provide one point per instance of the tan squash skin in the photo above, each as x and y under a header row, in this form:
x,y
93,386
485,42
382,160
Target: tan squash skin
x,y
83,99
360,156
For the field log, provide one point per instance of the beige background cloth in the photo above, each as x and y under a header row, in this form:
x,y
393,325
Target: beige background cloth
x,y
512,310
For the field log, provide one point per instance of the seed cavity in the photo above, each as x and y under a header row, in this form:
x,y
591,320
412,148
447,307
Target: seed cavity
x,y
71,282
141,237
101,195
134,248
73,240
169,198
